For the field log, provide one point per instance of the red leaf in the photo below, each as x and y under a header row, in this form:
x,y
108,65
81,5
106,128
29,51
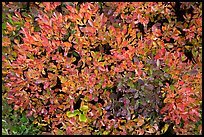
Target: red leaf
x,y
177,121
46,84
71,9
101,68
90,96
96,99
190,100
47,6
181,82
15,18
192,118
18,14
196,113
29,113
15,107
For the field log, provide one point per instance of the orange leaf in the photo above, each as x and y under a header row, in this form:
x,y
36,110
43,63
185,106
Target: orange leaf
x,y
9,27
6,41
67,44
140,121
118,39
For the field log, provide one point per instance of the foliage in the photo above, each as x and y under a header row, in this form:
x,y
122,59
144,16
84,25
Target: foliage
x,y
105,67
15,123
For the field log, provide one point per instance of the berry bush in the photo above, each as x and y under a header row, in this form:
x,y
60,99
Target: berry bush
x,y
105,67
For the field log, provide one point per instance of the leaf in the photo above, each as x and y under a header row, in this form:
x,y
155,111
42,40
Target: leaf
x,y
136,95
67,44
82,117
135,59
164,129
141,81
71,9
140,122
75,54
113,96
158,62
43,125
108,107
132,90
128,116
84,107
106,132
194,72
6,41
131,84
23,120
23,127
150,87
3,26
169,45
62,79
70,114
172,87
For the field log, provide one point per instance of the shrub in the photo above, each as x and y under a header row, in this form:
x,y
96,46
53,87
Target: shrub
x,y
15,123
106,68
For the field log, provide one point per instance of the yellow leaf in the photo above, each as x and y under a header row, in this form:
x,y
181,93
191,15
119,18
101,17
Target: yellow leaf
x,y
62,79
35,121
149,129
42,124
79,22
106,132
43,72
147,119
169,45
154,44
164,129
135,120
133,116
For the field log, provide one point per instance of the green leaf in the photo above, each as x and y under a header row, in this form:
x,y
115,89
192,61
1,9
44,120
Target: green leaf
x,y
101,59
172,87
106,132
77,8
14,54
84,107
37,28
131,84
9,16
75,54
18,23
25,14
73,31
139,35
3,26
23,127
72,24
23,119
82,117
70,114
165,69
4,132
